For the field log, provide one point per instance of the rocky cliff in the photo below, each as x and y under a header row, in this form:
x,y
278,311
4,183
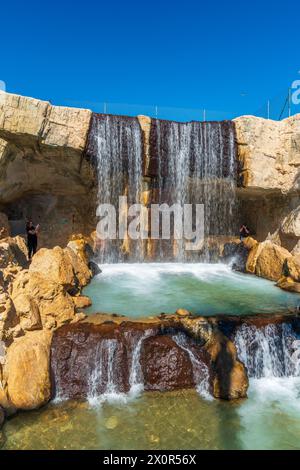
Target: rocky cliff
x,y
269,154
43,173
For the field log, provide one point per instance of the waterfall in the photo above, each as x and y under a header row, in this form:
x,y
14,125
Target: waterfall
x,y
186,163
195,163
115,143
200,369
136,377
103,379
268,351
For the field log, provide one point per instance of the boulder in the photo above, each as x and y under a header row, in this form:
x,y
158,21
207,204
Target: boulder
x,y
289,284
82,301
230,381
291,275
54,265
46,303
26,371
13,252
182,312
63,266
267,260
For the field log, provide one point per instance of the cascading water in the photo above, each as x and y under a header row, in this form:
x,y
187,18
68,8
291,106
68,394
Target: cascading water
x,y
195,163
189,163
103,379
115,142
200,369
268,351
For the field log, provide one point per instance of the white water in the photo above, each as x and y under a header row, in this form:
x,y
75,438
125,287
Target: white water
x,y
105,361
200,369
145,289
268,351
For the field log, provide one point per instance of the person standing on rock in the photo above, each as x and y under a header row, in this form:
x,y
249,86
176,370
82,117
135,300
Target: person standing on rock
x,y
32,240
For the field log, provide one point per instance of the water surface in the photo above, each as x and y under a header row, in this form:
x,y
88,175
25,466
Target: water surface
x,y
269,419
204,289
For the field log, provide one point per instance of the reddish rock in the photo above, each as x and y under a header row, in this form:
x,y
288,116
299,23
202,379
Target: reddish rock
x,y
165,365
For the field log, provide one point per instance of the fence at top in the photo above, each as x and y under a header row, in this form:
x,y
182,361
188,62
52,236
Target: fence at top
x,y
279,107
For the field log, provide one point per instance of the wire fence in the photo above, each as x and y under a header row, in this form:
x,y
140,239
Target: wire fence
x,y
284,104
279,107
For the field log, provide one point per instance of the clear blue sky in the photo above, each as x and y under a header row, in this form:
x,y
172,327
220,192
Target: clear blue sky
x,y
221,55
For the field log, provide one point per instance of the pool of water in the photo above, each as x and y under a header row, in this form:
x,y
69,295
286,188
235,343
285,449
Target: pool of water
x,y
205,289
269,419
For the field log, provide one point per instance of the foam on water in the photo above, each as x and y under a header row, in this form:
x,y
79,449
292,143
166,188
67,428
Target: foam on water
x,y
208,289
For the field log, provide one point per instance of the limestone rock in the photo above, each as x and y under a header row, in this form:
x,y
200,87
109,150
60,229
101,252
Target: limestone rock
x,y
54,265
4,226
291,279
27,370
289,284
182,312
44,173
81,272
13,251
82,301
62,266
291,224
292,267
269,152
46,303
267,260
36,120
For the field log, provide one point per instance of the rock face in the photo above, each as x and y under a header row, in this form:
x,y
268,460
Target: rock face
x,y
269,154
26,372
34,301
267,260
165,365
89,359
290,279
43,172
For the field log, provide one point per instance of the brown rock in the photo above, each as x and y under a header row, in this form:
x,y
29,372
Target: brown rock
x,y
182,312
289,284
54,265
165,365
292,267
82,301
267,260
27,370
55,305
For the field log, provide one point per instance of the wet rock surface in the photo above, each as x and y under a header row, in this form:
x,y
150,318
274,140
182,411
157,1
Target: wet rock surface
x,y
113,355
165,365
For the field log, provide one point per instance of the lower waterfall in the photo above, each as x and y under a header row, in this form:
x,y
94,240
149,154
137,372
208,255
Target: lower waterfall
x,y
268,351
200,369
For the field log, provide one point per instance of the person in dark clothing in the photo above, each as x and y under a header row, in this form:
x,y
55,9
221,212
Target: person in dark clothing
x,y
244,232
32,233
